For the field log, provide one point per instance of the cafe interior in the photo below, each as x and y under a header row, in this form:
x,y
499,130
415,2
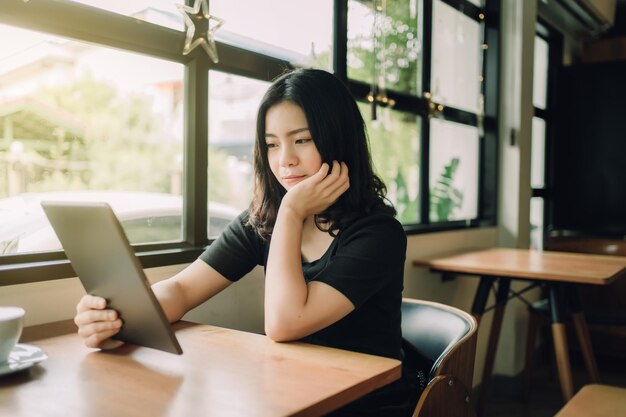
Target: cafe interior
x,y
497,126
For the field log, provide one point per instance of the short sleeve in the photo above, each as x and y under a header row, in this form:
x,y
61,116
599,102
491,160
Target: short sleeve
x,y
236,251
369,256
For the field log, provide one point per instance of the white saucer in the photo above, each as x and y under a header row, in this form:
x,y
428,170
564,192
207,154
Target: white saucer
x,y
22,356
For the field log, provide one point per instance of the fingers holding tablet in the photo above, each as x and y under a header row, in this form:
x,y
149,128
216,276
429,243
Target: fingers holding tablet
x,y
97,324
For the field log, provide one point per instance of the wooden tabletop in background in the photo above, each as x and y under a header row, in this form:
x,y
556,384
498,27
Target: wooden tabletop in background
x,y
532,264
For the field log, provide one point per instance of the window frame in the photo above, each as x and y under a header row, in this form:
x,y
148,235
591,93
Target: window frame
x,y
555,52
419,105
89,24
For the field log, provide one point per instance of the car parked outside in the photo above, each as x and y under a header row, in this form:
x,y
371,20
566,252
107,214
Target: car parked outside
x,y
145,217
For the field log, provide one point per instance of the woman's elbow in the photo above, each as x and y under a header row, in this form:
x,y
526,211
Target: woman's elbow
x,y
279,331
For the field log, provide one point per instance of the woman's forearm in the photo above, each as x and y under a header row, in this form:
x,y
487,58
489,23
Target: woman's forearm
x,y
171,298
285,288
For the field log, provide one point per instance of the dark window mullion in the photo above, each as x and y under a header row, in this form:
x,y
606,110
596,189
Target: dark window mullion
x,y
196,152
488,175
543,113
468,8
340,39
555,53
424,191
250,64
403,102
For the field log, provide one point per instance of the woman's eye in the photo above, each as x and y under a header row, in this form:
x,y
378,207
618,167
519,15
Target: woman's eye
x,y
304,140
270,145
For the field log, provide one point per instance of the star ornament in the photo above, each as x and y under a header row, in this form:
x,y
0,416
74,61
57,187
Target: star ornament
x,y
200,30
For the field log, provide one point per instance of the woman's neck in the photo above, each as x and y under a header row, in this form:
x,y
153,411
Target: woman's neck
x,y
315,242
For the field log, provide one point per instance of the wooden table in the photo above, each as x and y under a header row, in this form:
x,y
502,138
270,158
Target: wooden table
x,y
559,271
222,372
596,401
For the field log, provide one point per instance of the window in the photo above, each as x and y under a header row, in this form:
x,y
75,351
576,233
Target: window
x,y
384,46
394,143
546,59
104,105
420,70
85,122
103,108
232,129
453,171
299,32
456,59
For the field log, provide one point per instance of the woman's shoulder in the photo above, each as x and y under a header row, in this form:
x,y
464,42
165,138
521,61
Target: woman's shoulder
x,y
376,235
377,221
377,216
240,225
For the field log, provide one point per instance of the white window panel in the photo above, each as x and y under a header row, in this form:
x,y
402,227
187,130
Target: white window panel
x,y
453,171
233,105
299,31
540,80
456,58
397,62
536,223
394,143
538,154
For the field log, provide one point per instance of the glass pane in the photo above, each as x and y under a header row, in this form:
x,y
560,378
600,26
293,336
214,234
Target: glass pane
x,y
457,58
233,104
159,12
82,122
536,223
454,163
538,154
299,31
396,65
394,143
540,81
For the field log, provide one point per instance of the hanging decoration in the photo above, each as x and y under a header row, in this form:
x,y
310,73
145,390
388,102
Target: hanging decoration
x,y
378,95
198,21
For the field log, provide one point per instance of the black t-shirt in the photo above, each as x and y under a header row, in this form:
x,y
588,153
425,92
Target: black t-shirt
x,y
365,262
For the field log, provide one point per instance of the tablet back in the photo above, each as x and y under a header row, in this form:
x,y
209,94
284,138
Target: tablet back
x,y
98,249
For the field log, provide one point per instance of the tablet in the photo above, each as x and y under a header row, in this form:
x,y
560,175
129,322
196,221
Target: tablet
x,y
95,244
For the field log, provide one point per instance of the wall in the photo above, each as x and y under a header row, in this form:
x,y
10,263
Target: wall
x,y
518,20
239,306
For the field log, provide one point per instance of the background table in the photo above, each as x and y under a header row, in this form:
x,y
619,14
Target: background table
x,y
222,372
559,271
596,401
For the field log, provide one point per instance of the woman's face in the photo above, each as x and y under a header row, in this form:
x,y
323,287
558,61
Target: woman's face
x,y
291,151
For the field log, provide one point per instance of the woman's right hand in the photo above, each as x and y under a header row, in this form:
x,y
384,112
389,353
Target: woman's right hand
x,y
97,324
318,192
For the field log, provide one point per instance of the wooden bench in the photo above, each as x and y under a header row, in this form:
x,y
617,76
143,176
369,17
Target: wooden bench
x,y
596,401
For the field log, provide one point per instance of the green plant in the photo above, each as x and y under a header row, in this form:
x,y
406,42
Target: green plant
x,y
444,197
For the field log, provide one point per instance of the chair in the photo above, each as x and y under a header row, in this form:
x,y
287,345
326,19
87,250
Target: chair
x,y
445,336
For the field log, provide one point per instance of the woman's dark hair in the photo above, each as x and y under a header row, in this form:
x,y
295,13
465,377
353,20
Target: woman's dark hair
x,y
338,130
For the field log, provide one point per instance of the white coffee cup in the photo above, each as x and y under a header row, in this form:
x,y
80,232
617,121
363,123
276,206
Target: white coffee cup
x,y
11,323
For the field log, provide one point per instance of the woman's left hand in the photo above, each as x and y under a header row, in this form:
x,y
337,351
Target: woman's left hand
x,y
318,192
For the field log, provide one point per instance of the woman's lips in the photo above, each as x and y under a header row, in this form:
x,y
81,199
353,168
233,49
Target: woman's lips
x,y
293,179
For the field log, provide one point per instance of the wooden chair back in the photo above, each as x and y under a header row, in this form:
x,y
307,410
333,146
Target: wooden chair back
x,y
447,336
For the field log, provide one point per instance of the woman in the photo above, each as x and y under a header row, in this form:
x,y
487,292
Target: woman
x,y
332,250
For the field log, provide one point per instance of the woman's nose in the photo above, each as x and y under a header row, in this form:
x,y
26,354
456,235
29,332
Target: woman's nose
x,y
288,157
